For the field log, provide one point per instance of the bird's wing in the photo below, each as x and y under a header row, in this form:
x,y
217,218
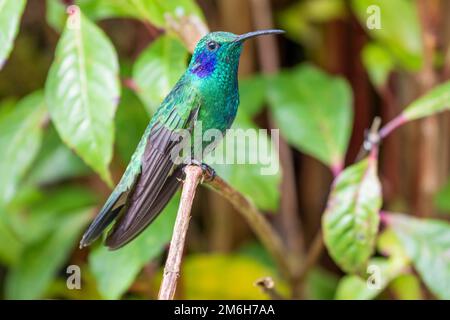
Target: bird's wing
x,y
151,177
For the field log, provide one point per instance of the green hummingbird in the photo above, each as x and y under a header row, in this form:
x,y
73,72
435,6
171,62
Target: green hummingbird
x,y
208,93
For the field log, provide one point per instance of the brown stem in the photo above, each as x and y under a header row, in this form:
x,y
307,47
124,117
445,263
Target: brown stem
x,y
263,230
173,262
427,158
314,253
267,286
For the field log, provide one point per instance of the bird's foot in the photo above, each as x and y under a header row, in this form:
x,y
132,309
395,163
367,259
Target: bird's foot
x,y
208,172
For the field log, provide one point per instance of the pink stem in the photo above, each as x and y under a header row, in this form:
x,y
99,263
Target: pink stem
x,y
392,125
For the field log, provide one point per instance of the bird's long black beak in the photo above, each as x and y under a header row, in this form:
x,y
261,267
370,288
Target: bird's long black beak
x,y
252,34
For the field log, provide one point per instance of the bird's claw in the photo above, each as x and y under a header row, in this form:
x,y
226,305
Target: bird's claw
x,y
208,172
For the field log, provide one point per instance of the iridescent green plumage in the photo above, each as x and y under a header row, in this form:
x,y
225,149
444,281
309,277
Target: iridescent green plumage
x,y
207,93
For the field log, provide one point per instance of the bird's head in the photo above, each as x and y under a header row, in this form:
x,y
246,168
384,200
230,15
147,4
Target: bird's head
x,y
220,50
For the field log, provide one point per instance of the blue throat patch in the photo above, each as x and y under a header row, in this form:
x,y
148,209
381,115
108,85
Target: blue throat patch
x,y
204,64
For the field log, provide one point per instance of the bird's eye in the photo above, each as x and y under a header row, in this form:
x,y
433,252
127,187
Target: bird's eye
x,y
212,45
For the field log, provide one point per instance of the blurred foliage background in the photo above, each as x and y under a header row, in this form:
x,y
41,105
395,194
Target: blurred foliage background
x,y
74,102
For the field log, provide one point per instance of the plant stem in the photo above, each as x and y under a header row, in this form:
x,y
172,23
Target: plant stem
x,y
392,125
314,253
267,286
173,262
263,230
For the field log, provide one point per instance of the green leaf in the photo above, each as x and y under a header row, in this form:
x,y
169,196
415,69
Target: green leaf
x,y
314,112
402,37
40,261
6,106
350,222
157,70
131,121
353,287
10,245
427,244
406,287
321,284
442,198
378,63
55,162
259,177
303,20
208,276
10,13
252,94
82,91
154,11
20,140
37,214
434,101
115,271
55,14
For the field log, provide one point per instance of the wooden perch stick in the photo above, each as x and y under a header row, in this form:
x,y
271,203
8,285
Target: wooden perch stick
x,y
257,222
173,262
263,230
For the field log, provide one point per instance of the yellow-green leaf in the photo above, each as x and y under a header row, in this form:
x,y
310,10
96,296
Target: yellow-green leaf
x,y
20,140
427,244
10,13
351,219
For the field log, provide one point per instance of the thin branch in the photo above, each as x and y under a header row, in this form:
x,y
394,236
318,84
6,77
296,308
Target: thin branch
x,y
314,253
263,230
392,125
173,262
267,286
252,215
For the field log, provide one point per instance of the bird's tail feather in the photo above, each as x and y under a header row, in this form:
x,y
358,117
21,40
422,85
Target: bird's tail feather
x,y
119,237
107,214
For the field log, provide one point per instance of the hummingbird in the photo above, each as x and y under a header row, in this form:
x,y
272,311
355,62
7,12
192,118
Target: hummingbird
x,y
206,93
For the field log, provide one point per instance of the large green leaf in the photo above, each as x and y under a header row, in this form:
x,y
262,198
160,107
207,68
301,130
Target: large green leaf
x,y
320,284
259,176
10,245
10,13
380,273
154,11
406,287
20,140
434,101
35,214
41,260
314,112
350,222
55,14
304,20
48,225
82,92
252,93
401,36
378,63
55,162
157,70
427,244
353,287
131,121
115,271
